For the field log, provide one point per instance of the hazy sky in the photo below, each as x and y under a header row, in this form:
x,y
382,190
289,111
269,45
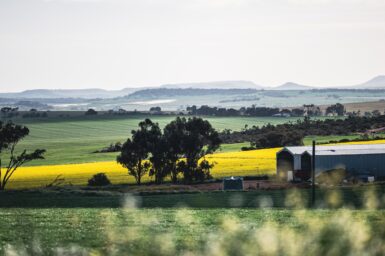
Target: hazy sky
x,y
123,43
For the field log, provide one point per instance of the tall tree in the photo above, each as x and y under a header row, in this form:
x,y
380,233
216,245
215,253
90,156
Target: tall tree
x,y
10,135
149,135
201,139
135,152
133,158
190,140
174,134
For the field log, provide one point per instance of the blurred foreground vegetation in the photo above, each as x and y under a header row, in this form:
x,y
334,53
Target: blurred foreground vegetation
x,y
345,221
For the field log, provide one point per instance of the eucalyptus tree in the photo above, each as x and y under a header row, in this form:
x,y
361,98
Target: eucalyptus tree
x,y
10,135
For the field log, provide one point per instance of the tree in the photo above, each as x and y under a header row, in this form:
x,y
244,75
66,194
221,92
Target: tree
x,y
91,112
10,135
99,179
190,139
297,112
5,110
145,144
156,109
133,158
278,139
177,150
376,113
173,134
337,109
150,136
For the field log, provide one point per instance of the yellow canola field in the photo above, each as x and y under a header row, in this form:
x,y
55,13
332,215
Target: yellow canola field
x,y
254,162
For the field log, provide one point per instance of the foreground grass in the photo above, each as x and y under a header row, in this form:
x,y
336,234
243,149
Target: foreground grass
x,y
197,231
60,222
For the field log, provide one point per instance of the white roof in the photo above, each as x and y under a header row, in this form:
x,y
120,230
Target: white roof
x,y
339,149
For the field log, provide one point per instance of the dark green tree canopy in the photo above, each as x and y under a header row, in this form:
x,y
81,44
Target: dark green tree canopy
x,y
177,150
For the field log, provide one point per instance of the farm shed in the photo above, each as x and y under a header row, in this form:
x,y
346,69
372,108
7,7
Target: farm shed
x,y
233,183
368,159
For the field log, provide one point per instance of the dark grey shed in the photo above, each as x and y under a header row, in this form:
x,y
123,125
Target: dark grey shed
x,y
355,159
233,183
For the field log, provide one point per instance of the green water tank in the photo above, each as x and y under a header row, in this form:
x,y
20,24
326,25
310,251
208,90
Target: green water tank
x,y
233,183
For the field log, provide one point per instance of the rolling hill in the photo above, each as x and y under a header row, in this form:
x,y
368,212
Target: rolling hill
x,y
92,93
292,86
215,85
377,82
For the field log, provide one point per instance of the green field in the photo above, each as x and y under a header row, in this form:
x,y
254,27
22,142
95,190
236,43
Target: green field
x,y
109,224
329,138
73,140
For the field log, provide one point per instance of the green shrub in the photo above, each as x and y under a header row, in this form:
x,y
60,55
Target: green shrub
x,y
99,179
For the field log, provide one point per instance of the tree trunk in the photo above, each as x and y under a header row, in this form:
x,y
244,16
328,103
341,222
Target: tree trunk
x,y
174,176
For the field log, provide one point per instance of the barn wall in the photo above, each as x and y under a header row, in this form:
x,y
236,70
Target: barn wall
x,y
373,164
285,163
297,162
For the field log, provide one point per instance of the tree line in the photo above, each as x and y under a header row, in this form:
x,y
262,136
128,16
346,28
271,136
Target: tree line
x,y
177,151
306,110
293,133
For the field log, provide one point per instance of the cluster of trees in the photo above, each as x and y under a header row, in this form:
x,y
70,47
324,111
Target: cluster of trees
x,y
305,110
292,133
8,112
91,112
156,109
178,150
336,109
34,113
113,147
10,135
244,111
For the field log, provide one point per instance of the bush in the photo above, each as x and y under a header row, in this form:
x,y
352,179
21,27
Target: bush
x,y
91,112
99,179
247,148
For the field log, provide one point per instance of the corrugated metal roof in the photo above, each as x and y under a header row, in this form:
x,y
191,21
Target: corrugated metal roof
x,y
340,149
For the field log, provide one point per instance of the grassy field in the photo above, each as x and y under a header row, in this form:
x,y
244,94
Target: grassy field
x,y
114,225
197,232
74,141
327,139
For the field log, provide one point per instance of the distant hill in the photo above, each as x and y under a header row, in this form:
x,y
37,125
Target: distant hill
x,y
189,92
204,88
215,85
377,82
292,86
71,93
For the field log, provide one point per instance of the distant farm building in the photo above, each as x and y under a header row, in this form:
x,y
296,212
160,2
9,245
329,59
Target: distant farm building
x,y
356,160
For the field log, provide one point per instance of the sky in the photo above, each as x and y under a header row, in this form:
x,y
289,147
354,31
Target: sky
x,y
114,44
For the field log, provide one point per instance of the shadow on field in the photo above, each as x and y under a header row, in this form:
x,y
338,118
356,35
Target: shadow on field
x,y
351,197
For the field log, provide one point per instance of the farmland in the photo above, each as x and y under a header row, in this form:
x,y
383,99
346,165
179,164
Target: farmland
x,y
242,163
78,220
73,140
254,162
